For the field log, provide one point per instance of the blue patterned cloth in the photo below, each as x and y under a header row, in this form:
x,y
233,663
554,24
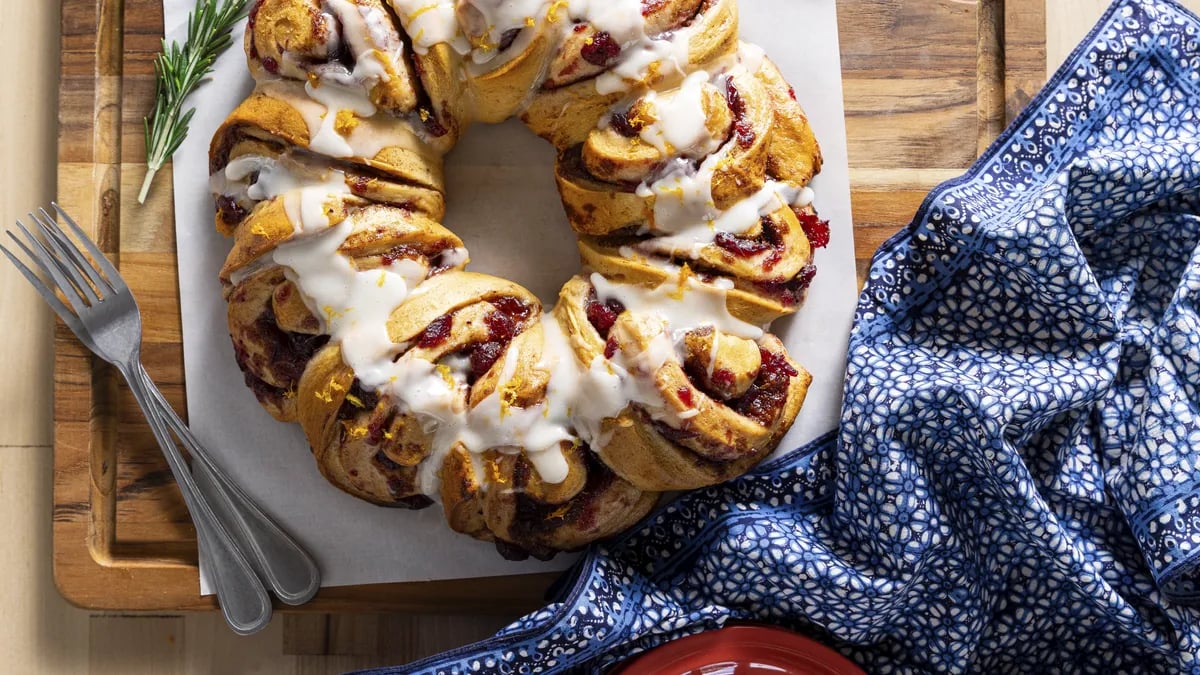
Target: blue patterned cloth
x,y
1015,486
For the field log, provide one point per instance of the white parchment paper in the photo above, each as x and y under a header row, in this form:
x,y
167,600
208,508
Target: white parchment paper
x,y
504,205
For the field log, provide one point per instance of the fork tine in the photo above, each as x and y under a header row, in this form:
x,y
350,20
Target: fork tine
x,y
48,295
53,246
50,226
114,277
51,266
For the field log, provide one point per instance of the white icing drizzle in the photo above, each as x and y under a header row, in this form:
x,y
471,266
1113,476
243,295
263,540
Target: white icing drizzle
x,y
429,23
684,208
680,126
694,305
354,306
432,22
335,97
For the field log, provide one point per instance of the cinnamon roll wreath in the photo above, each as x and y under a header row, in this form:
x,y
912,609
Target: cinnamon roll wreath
x,y
684,160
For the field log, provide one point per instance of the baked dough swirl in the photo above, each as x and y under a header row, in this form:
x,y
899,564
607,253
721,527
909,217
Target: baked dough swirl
x,y
684,160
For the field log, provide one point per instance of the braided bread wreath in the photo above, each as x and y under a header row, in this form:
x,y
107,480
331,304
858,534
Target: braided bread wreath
x,y
683,165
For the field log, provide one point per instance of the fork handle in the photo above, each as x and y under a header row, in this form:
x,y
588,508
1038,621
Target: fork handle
x,y
242,596
282,562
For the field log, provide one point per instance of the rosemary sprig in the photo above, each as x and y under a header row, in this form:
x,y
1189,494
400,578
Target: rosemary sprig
x,y
179,70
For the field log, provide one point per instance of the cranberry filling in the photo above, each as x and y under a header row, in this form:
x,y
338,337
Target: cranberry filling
x,y
411,503
740,246
765,398
815,229
231,211
384,462
425,111
723,378
686,396
532,519
436,332
289,352
602,49
253,20
440,264
791,291
741,124
359,184
264,392
483,357
270,65
508,38
611,347
625,126
432,124
602,316
512,308
503,325
378,426
771,240
398,253
368,399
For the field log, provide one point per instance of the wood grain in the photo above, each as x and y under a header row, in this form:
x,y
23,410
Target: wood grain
x,y
926,86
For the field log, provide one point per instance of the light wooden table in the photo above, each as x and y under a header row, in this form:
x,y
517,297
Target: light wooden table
x,y
44,634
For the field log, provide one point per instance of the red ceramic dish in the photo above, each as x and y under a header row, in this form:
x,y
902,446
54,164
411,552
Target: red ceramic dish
x,y
741,650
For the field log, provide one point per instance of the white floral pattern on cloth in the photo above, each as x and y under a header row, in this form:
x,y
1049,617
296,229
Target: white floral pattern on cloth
x,y
1016,482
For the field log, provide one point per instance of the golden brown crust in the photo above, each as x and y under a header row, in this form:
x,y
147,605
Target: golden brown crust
x,y
565,115
706,434
725,400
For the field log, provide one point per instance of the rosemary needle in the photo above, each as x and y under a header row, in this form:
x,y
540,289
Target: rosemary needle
x,y
178,71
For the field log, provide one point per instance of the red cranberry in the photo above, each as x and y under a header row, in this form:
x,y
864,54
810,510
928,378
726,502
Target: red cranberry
x,y
432,124
602,315
231,211
359,184
773,259
400,252
741,124
739,246
378,426
602,50
254,13
514,308
484,356
686,396
767,395
723,378
815,229
611,347
790,291
792,93
625,126
775,366
436,332
501,327
271,65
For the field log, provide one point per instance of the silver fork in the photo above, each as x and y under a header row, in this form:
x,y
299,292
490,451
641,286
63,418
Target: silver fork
x,y
239,543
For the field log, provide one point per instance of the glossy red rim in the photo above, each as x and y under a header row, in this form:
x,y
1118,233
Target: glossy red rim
x,y
741,650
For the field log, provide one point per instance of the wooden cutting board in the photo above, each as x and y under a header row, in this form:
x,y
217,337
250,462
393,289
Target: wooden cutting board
x,y
928,84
